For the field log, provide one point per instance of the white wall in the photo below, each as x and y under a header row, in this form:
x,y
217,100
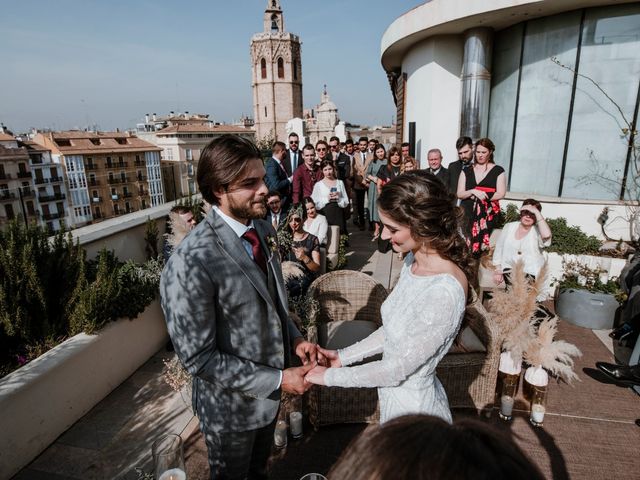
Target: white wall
x,y
432,95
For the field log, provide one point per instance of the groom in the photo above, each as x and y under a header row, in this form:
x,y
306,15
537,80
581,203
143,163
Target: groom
x,y
225,304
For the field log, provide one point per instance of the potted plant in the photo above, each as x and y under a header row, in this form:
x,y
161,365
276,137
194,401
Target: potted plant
x,y
586,296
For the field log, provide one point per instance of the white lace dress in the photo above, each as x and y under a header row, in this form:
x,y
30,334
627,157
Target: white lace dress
x,y
420,320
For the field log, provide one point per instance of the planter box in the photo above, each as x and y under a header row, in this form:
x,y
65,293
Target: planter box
x,y
585,309
41,400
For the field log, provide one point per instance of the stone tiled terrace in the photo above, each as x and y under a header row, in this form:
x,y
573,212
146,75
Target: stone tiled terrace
x,y
589,430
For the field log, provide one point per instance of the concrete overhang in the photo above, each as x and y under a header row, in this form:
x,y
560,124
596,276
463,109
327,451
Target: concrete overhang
x,y
452,17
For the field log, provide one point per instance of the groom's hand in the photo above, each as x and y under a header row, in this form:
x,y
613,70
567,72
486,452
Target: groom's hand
x,y
306,351
293,379
316,376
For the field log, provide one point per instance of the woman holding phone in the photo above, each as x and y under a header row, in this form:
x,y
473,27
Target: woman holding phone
x,y
330,196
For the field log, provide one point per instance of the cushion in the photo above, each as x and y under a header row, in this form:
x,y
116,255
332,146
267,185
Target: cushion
x,y
467,342
343,333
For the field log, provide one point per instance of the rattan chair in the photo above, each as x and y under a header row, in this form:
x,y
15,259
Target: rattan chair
x,y
470,378
344,295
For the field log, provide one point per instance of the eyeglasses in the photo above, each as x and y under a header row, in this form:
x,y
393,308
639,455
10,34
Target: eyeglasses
x,y
293,142
295,220
333,146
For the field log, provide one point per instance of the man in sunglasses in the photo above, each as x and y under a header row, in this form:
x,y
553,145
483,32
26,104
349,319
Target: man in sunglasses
x,y
293,158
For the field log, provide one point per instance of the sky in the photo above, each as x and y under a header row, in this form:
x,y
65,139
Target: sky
x,y
76,63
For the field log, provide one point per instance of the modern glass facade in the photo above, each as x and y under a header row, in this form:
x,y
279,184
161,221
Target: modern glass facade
x,y
555,132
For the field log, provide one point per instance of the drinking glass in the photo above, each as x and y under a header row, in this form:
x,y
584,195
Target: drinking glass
x,y
168,458
313,476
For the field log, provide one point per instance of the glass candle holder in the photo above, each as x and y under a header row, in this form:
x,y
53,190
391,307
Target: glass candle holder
x,y
280,434
508,395
168,458
295,420
538,405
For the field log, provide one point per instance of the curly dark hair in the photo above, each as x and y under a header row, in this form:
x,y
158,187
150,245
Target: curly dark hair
x,y
422,202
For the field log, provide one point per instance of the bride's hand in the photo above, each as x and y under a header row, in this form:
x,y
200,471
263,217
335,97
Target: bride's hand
x,y
328,358
316,375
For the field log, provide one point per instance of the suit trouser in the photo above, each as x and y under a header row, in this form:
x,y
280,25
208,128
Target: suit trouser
x,y
239,455
360,204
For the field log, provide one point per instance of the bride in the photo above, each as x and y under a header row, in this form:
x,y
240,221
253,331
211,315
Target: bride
x,y
422,315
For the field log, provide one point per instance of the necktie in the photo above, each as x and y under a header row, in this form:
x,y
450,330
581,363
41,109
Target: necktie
x,y
251,236
274,221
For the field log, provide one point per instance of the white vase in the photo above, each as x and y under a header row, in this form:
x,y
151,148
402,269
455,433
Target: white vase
x,y
534,388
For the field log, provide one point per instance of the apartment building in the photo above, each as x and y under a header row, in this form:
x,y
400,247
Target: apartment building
x,y
16,187
181,138
108,173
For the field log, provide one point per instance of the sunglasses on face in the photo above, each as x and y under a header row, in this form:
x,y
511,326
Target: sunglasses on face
x,y
294,142
321,149
296,220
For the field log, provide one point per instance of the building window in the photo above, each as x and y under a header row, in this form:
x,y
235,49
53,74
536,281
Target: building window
x,y
280,68
583,155
263,68
265,112
188,154
295,68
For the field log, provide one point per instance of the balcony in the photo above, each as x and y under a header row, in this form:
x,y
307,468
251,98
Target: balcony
x,y
141,178
24,174
91,166
113,180
93,182
124,179
139,163
7,196
52,216
115,197
51,197
5,176
36,160
142,192
40,181
126,195
96,199
130,210
27,192
56,179
122,164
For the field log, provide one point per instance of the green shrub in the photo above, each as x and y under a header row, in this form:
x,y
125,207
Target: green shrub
x,y
49,291
571,239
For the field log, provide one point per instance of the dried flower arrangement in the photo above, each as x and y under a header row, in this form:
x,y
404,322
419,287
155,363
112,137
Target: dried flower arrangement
x,y
526,335
175,375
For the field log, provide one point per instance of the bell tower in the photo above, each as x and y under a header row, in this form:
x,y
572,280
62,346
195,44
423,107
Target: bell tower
x,y
276,69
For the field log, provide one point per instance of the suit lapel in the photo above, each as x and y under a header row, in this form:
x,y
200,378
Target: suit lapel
x,y
273,263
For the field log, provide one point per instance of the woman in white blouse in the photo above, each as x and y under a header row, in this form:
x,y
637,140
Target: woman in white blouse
x,y
522,240
316,224
331,197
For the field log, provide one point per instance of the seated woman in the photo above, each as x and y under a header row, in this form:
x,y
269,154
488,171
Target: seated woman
x,y
304,250
331,197
316,223
522,241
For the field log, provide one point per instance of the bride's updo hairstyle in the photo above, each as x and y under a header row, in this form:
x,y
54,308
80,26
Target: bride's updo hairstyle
x,y
422,202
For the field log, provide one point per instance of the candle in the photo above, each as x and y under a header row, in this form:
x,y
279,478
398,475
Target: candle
x,y
280,434
173,474
295,420
506,405
537,414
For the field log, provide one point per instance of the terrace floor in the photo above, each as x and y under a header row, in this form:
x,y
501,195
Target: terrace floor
x,y
589,430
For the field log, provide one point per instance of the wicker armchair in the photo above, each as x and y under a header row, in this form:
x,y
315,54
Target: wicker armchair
x,y
344,296
470,378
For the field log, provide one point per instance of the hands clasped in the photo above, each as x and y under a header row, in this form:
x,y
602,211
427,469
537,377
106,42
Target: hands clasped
x,y
315,361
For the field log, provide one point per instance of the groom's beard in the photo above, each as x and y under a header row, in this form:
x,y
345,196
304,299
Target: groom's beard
x,y
250,210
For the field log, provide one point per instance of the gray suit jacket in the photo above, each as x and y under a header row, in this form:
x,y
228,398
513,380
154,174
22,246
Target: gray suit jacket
x,y
229,324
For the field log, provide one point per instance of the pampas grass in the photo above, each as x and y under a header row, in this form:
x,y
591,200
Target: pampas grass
x,y
179,230
514,310
291,270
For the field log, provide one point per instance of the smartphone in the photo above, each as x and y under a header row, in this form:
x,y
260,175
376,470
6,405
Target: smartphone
x,y
333,190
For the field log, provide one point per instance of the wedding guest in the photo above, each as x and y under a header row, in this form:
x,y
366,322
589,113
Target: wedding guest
x,y
523,241
422,447
371,176
304,250
408,164
316,223
180,222
330,196
306,175
391,169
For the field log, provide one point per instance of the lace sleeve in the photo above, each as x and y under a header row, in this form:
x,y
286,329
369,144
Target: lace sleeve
x,y
430,327
372,345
